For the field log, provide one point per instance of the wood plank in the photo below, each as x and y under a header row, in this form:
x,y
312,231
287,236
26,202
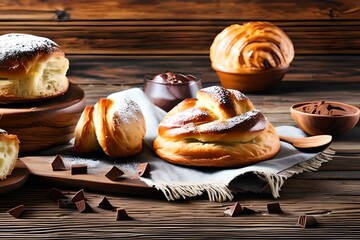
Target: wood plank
x,y
129,70
182,37
174,9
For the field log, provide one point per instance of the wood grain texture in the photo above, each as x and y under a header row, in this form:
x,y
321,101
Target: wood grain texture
x,y
175,9
182,37
130,70
180,27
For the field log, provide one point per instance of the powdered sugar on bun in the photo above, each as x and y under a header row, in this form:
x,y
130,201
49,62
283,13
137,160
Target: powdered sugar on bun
x,y
31,68
219,127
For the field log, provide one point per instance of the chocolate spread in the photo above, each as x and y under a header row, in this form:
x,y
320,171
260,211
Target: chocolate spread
x,y
168,89
322,108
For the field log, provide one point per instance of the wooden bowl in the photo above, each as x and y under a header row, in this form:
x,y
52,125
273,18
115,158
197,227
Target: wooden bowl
x,y
251,82
315,124
44,124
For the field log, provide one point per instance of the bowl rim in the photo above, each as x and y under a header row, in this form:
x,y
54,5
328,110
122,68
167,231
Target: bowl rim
x,y
251,70
148,77
356,113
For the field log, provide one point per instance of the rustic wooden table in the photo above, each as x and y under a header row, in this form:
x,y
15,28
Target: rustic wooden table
x,y
331,194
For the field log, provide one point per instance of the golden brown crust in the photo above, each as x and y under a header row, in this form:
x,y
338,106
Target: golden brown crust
x,y
119,126
251,47
85,138
220,128
31,68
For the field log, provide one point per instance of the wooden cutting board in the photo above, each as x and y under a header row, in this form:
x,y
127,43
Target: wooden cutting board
x,y
17,178
43,124
41,166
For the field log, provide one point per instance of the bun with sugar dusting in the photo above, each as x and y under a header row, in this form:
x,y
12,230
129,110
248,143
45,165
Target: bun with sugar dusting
x,y
218,128
31,68
117,127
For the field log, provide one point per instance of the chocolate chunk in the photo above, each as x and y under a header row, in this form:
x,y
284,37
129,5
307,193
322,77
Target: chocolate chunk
x,y
54,194
105,204
66,203
246,210
82,206
58,164
233,210
142,169
78,169
121,214
80,195
16,211
274,208
237,209
114,173
305,221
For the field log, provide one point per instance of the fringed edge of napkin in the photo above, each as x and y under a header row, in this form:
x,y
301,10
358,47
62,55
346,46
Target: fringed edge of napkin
x,y
276,181
219,192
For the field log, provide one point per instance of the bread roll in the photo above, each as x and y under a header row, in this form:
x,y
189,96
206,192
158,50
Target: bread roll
x,y
251,47
31,68
117,127
218,128
9,150
85,137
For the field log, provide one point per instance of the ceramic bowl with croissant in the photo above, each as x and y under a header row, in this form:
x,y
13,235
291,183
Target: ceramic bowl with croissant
x,y
252,57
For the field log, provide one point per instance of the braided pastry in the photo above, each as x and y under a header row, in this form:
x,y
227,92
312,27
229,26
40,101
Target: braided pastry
x,y
251,47
218,128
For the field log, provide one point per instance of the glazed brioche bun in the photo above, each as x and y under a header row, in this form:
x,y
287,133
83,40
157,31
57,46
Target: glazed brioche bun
x,y
31,68
218,128
251,47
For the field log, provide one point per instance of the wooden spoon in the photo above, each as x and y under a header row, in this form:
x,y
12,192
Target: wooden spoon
x,y
307,142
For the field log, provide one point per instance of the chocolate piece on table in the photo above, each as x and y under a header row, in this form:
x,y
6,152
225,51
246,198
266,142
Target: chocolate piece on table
x,y
237,209
82,206
105,204
121,214
114,173
54,194
142,169
66,203
16,211
305,221
78,196
58,164
274,208
234,210
78,169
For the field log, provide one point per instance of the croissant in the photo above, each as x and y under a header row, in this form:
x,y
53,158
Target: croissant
x,y
117,127
250,47
218,128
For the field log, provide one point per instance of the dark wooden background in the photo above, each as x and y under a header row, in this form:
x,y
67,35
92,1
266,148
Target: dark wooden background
x,y
127,36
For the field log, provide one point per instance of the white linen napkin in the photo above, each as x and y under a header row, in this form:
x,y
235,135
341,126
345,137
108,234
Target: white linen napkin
x,y
178,182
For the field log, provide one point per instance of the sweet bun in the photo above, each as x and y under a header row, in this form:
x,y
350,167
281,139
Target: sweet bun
x,y
85,137
251,47
9,150
31,68
117,127
218,128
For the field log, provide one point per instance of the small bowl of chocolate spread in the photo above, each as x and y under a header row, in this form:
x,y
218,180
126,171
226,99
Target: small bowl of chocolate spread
x,y
325,117
168,89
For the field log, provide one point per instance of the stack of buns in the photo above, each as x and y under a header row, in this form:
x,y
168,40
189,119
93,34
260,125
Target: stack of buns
x,y
218,128
116,127
9,150
31,68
